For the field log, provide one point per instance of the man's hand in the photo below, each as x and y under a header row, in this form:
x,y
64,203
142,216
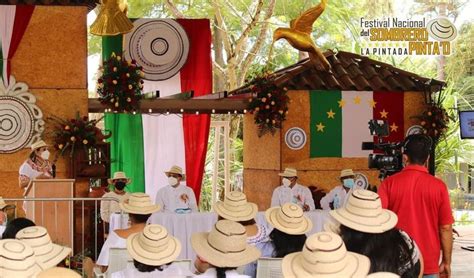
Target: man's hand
x,y
444,270
305,207
446,237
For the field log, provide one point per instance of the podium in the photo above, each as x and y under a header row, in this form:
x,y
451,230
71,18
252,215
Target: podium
x,y
55,216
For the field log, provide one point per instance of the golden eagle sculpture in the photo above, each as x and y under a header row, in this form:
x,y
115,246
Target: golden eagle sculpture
x,y
299,35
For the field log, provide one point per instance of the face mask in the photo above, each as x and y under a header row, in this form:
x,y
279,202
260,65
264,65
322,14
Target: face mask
x,y
349,183
172,181
286,182
120,185
45,155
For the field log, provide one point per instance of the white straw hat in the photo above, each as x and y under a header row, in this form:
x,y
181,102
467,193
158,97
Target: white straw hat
x,y
58,272
236,208
139,203
324,255
175,170
225,245
38,144
47,253
289,218
289,173
17,259
153,246
119,176
347,173
3,204
363,212
383,275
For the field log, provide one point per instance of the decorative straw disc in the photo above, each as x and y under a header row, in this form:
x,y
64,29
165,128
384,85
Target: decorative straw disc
x,y
16,124
295,138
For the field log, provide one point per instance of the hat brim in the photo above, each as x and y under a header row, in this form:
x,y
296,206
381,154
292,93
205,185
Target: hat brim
x,y
383,222
248,213
58,272
153,258
271,217
53,257
40,146
111,181
357,266
286,175
219,259
183,176
139,210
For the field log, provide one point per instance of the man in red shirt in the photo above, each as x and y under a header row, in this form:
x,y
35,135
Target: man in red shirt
x,y
422,205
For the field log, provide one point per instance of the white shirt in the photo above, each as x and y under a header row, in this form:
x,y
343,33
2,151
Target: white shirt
x,y
172,271
338,196
108,207
113,241
212,273
171,198
299,194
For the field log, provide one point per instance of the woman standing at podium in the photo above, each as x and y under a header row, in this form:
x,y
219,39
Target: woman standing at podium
x,y
37,166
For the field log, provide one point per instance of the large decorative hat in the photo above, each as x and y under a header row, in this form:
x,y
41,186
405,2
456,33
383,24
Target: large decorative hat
x,y
289,173
347,173
119,176
153,246
17,259
175,170
363,212
289,218
225,245
139,203
47,253
58,272
38,144
324,255
236,208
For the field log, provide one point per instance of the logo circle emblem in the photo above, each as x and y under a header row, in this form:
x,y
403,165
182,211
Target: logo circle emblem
x,y
441,29
295,138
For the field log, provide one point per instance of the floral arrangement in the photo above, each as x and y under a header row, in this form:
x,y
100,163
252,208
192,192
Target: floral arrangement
x,y
434,121
72,133
120,84
269,105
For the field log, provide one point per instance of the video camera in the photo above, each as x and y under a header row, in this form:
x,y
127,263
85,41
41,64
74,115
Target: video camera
x,y
390,162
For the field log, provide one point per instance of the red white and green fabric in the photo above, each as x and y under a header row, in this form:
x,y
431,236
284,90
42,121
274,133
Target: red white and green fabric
x,y
13,23
339,120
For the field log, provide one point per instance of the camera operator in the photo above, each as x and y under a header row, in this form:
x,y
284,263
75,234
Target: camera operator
x,y
422,205
338,196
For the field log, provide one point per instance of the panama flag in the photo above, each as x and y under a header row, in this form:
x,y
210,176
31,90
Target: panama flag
x,y
339,120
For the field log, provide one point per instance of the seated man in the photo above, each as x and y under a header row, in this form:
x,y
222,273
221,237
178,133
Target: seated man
x,y
338,196
176,197
107,207
292,192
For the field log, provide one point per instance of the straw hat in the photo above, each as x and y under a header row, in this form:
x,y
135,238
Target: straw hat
x,y
153,246
38,144
17,259
324,255
47,253
363,212
175,170
3,204
383,275
58,272
119,176
225,245
139,203
289,218
289,173
347,173
236,208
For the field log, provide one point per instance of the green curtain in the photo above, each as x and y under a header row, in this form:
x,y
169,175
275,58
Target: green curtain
x,y
126,143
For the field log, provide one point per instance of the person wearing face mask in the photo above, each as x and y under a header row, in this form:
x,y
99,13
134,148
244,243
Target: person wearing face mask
x,y
176,197
37,166
292,192
107,207
338,196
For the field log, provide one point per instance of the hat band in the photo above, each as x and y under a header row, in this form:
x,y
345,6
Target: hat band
x,y
286,222
146,243
224,252
324,266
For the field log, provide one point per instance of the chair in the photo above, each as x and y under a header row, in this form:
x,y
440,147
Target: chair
x,y
269,268
118,260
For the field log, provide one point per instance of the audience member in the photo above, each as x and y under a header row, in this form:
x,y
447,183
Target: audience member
x,y
292,192
224,248
17,259
421,202
236,208
3,216
153,252
14,226
290,226
140,208
369,230
58,272
107,207
337,197
324,255
47,253
176,197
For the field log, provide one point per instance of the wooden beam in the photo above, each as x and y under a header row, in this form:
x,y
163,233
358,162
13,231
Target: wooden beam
x,y
174,106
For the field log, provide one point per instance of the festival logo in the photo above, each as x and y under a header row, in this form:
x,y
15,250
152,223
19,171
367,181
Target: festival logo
x,y
399,37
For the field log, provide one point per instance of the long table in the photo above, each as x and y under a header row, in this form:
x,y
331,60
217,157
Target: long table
x,y
182,226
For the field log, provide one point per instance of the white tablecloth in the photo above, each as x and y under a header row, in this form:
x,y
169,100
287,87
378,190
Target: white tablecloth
x,y
182,226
